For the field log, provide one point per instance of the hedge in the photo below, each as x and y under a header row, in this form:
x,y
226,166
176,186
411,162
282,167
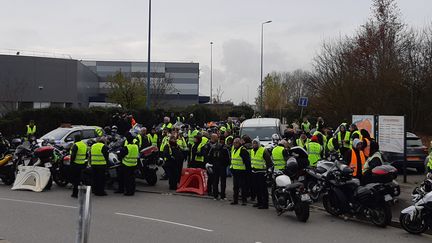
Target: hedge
x,y
14,123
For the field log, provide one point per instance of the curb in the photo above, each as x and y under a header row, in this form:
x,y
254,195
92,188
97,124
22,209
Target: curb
x,y
394,223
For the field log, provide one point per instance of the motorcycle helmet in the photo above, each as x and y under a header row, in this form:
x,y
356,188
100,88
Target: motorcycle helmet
x,y
107,130
114,129
275,138
291,167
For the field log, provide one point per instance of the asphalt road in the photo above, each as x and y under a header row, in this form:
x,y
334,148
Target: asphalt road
x,y
149,217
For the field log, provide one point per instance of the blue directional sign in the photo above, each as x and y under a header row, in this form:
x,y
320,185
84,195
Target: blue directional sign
x,y
303,102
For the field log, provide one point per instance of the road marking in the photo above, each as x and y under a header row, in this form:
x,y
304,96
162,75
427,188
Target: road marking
x,y
39,203
164,221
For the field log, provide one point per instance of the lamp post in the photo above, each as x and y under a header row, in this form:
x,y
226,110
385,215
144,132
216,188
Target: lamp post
x,y
262,57
211,72
148,58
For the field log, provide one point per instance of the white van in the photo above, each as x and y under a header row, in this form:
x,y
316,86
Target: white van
x,y
263,128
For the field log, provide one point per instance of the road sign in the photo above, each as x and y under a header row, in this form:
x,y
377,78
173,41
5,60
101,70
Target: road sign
x,y
366,122
303,102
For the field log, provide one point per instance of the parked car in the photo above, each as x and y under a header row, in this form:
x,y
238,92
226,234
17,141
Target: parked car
x,y
64,136
416,154
263,128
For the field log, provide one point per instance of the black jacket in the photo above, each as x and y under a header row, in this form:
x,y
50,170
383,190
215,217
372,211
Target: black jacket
x,y
218,155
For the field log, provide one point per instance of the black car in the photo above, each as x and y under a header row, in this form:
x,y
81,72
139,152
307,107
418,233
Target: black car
x,y
416,154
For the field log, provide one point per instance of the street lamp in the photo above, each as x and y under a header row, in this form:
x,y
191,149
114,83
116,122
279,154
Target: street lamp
x,y
148,58
211,72
262,55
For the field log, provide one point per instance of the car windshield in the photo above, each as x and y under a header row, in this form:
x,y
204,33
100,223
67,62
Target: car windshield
x,y
263,133
56,134
414,143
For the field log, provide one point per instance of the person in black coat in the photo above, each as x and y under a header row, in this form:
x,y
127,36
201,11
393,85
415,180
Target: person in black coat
x,y
240,176
218,160
173,158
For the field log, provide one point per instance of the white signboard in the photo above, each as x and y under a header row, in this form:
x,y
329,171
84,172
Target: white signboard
x,y
366,122
391,133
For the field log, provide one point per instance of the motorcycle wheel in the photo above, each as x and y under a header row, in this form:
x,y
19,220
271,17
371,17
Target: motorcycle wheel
x,y
381,216
314,195
301,210
413,227
279,211
59,178
329,206
151,178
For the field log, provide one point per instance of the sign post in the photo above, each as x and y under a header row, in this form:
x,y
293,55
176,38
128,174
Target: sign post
x,y
303,102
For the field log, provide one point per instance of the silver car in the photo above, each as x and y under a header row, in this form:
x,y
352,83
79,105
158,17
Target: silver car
x,y
64,136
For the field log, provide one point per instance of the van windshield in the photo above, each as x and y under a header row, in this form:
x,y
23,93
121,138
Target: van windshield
x,y
263,133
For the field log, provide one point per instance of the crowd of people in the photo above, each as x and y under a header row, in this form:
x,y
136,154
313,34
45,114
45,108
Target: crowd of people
x,y
219,149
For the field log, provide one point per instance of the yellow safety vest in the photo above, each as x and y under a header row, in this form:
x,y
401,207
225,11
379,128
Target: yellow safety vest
x,y
314,153
31,131
81,153
366,165
346,140
131,159
352,140
300,142
278,158
181,142
153,139
97,157
257,158
236,160
200,158
169,126
330,146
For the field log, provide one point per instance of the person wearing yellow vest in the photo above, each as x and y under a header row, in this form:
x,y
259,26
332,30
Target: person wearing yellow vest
x,y
128,156
355,133
198,151
280,155
315,151
142,140
31,129
356,159
98,162
260,162
332,145
78,155
343,139
302,140
373,161
240,167
167,124
306,126
153,137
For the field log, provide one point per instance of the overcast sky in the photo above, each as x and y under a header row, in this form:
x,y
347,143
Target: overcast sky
x,y
182,31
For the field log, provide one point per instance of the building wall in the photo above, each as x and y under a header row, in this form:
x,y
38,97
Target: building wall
x,y
184,77
42,82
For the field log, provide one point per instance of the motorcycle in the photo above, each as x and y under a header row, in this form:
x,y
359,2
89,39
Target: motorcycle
x,y
417,218
288,195
148,165
344,195
7,169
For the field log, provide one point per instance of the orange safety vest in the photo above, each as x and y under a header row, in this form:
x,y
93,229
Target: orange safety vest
x,y
367,148
353,163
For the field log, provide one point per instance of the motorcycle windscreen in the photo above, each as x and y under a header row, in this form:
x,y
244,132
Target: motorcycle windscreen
x,y
33,178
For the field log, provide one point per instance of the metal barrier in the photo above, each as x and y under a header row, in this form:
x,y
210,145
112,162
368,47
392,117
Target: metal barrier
x,y
84,216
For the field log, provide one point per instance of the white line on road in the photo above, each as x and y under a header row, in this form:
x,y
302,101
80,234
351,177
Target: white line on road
x,y
164,221
39,203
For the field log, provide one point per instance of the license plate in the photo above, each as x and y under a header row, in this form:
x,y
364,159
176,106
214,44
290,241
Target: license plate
x,y
413,158
305,197
48,165
301,178
387,197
